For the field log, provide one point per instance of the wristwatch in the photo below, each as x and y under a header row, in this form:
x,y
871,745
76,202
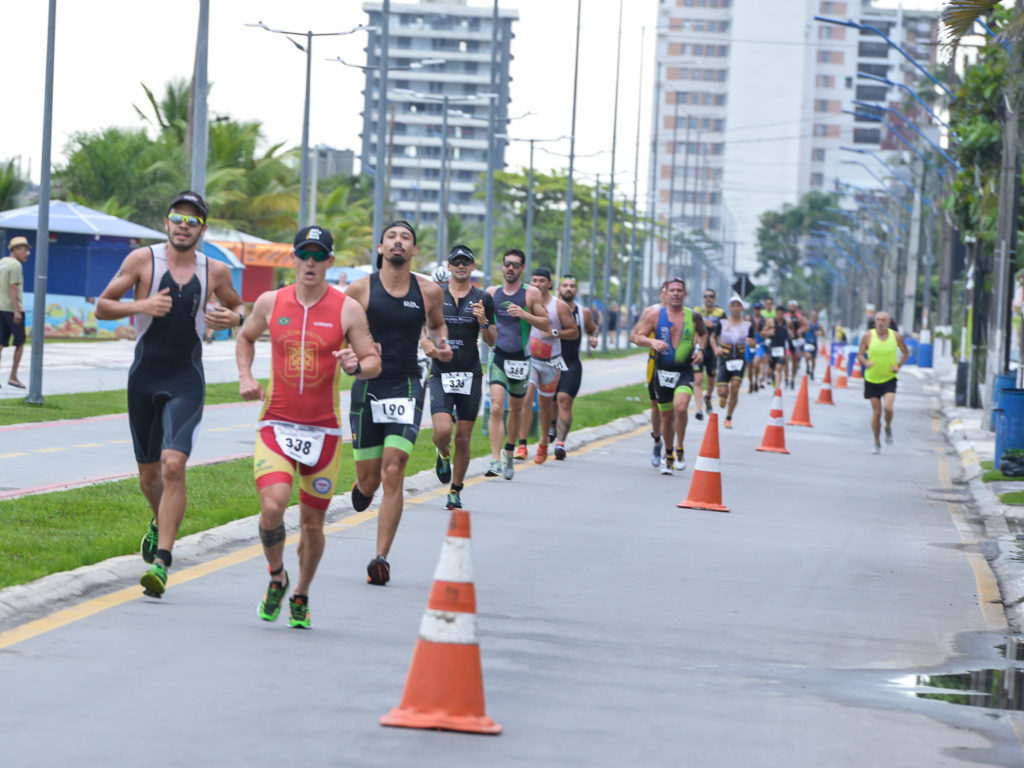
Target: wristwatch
x,y
554,332
358,370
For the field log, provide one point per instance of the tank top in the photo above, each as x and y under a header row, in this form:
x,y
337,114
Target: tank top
x,y
463,330
571,347
811,334
675,358
395,323
305,376
512,332
545,348
712,320
883,354
733,338
176,339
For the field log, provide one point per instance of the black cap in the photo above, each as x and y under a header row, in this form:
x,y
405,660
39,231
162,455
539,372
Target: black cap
x,y
314,234
541,272
188,196
461,250
758,305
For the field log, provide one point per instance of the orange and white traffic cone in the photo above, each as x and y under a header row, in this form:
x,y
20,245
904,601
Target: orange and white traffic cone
x,y
802,410
774,439
841,382
444,689
858,372
825,395
706,485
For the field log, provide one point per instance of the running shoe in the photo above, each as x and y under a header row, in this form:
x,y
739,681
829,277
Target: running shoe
x,y
707,403
541,455
149,542
721,402
888,436
154,581
454,502
551,433
378,571
699,415
270,607
443,468
508,468
559,451
494,470
656,454
680,462
360,501
521,453
666,468
298,612
728,423
877,448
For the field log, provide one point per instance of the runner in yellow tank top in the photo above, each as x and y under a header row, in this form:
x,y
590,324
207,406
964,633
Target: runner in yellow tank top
x,y
882,353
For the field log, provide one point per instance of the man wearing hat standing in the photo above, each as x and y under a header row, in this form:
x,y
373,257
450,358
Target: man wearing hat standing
x,y
456,386
171,284
12,303
386,411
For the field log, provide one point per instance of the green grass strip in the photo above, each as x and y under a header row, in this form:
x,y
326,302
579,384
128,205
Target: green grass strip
x,y
52,532
1014,498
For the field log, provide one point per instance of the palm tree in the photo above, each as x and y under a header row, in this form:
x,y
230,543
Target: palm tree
x,y
960,16
12,186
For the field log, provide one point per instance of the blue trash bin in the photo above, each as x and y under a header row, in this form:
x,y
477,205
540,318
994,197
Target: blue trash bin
x,y
1003,381
925,355
1010,423
912,346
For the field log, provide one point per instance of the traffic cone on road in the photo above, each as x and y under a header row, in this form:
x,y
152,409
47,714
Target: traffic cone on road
x,y
444,689
706,485
774,439
802,410
858,373
825,395
841,382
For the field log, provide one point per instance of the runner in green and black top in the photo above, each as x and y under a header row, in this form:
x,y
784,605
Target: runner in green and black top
x,y
517,307
455,386
386,411
712,316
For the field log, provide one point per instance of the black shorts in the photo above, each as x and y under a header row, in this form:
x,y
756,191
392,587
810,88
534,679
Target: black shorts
x,y
570,380
708,364
877,390
165,406
725,375
369,438
665,395
11,330
463,407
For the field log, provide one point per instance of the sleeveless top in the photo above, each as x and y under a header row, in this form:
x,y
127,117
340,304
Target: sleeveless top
x,y
512,332
395,324
712,320
677,358
733,338
571,347
176,339
305,376
463,330
883,354
811,334
546,348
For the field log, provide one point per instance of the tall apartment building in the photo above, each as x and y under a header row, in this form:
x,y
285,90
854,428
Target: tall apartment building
x,y
460,35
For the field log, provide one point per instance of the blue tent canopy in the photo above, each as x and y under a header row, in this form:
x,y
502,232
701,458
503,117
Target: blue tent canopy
x,y
73,218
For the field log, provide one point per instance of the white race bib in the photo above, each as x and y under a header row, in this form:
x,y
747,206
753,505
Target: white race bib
x,y
300,442
778,351
558,363
808,347
393,410
733,365
667,379
457,382
517,369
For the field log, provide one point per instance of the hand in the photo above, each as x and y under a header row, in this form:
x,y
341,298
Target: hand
x,y
221,318
698,355
250,389
428,347
348,359
159,304
593,341
18,317
657,345
896,368
444,352
514,310
478,312
868,363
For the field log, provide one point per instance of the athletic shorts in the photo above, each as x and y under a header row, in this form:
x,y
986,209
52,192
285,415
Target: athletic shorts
x,y
317,483
724,374
496,375
665,395
11,330
570,380
369,436
544,376
165,406
708,364
877,390
463,407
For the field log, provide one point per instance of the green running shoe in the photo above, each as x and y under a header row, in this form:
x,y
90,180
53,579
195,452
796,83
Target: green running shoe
x,y
298,612
443,468
154,581
270,608
454,502
149,542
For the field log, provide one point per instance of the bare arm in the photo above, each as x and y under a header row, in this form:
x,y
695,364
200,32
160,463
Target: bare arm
x,y
361,353
590,327
245,345
437,329
641,334
862,356
229,314
134,268
13,290
905,353
535,314
569,329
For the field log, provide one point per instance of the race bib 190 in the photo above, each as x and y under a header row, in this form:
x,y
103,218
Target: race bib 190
x,y
517,369
457,382
668,379
393,410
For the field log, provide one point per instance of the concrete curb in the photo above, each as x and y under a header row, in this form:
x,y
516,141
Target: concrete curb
x,y
48,592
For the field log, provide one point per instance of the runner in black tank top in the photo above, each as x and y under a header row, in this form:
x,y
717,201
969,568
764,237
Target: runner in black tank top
x,y
569,383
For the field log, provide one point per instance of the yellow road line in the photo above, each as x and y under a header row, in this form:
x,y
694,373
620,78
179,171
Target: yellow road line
x,y
51,449
11,455
87,445
91,607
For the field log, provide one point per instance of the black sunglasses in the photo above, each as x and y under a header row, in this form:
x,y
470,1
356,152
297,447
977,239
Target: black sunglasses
x,y
512,264
317,256
461,261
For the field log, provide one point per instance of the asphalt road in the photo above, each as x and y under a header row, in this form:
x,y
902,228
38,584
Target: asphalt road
x,y
615,628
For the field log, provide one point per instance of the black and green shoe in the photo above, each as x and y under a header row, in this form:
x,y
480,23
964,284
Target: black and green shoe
x,y
298,612
270,607
454,502
154,581
149,542
443,468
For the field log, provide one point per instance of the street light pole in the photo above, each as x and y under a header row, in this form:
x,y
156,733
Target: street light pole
x,y
610,219
636,181
382,104
442,218
200,120
491,117
593,240
567,234
529,215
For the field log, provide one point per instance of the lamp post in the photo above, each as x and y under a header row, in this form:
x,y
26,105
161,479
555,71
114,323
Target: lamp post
x,y
636,181
491,117
567,234
610,219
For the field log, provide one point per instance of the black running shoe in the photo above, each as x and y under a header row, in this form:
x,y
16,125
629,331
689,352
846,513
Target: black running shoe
x,y
378,571
359,500
443,468
559,451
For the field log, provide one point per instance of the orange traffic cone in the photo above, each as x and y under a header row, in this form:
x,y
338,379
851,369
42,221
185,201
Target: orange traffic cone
x,y
774,439
825,395
706,485
802,410
445,689
823,352
858,373
841,382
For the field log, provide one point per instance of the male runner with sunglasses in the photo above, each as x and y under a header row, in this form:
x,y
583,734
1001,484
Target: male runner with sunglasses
x,y
316,333
386,412
456,386
172,283
571,378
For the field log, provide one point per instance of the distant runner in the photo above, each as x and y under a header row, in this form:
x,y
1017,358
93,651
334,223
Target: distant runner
x,y
709,367
811,334
737,338
882,353
572,377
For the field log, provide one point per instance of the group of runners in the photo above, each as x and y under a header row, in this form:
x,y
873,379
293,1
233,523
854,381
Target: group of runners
x,y
371,331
